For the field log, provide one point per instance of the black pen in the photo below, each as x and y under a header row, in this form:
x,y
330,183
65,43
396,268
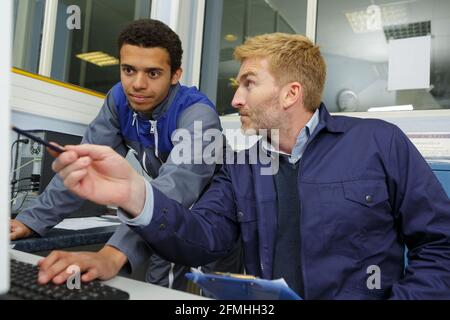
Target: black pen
x,y
37,139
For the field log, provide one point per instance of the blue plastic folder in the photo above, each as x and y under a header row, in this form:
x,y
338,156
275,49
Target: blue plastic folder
x,y
242,287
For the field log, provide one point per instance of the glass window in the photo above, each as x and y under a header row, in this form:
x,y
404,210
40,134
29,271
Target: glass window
x,y
95,36
28,21
101,23
360,40
227,24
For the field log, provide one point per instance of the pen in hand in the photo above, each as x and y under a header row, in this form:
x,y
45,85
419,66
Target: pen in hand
x,y
37,139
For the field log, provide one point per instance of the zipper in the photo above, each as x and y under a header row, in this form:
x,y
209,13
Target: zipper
x,y
144,159
154,131
135,121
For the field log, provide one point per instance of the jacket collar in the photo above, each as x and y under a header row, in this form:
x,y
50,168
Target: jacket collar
x,y
328,122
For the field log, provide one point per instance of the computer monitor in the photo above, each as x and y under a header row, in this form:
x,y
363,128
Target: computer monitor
x,y
5,66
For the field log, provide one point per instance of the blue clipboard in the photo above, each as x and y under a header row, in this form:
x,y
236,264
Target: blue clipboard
x,y
242,287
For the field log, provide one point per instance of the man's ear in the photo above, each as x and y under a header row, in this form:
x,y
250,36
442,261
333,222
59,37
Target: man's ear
x,y
176,76
291,94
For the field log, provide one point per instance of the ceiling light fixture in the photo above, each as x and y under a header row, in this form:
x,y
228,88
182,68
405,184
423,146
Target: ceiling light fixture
x,y
98,58
230,37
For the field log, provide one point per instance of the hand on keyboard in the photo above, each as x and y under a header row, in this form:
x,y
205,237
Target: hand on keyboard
x,y
103,265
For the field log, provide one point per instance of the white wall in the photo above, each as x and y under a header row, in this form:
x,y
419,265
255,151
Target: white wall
x,y
29,121
5,37
44,99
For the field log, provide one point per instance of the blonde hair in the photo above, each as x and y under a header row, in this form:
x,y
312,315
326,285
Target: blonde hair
x,y
292,57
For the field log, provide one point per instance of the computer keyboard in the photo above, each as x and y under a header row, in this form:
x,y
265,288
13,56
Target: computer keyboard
x,y
24,286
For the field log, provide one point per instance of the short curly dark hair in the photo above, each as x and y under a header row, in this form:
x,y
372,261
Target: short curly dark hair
x,y
149,33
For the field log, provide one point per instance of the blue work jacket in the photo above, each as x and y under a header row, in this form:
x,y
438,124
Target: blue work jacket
x,y
365,194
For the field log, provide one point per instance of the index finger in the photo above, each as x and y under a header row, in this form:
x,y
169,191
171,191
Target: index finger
x,y
96,152
45,263
64,159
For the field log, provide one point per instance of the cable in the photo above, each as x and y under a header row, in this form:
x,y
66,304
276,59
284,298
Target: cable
x,y
13,182
25,141
12,177
35,179
23,201
15,198
22,166
33,187
16,159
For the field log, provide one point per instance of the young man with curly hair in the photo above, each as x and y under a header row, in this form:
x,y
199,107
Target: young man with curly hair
x,y
139,115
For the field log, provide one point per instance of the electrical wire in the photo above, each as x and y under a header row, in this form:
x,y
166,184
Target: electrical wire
x,y
23,201
32,188
12,148
26,141
22,166
27,188
23,179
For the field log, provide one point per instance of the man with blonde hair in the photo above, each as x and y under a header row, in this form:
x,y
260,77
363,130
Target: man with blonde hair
x,y
334,220
292,58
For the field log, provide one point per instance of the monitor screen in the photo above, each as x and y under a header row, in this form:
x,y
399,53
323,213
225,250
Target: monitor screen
x,y
5,65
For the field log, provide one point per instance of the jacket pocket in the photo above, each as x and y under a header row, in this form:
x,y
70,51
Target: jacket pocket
x,y
368,193
353,217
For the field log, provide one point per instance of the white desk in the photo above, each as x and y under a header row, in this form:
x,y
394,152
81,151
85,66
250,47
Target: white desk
x,y
138,290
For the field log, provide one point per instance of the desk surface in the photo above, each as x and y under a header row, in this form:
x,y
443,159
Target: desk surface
x,y
138,290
